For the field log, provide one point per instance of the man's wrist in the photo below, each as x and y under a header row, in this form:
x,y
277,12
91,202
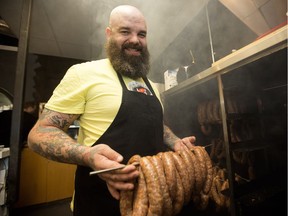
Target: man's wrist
x,y
172,142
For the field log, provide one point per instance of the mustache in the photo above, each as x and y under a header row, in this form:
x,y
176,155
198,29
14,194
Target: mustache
x,y
132,46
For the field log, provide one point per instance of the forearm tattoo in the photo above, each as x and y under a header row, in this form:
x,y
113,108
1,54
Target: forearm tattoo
x,y
169,137
53,142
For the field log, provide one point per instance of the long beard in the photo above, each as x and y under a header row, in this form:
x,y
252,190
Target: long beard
x,y
128,65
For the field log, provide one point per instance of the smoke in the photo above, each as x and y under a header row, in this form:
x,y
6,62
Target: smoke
x,y
165,19
174,28
227,33
87,20
76,28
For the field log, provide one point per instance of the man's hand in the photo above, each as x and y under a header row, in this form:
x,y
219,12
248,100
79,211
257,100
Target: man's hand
x,y
100,157
186,141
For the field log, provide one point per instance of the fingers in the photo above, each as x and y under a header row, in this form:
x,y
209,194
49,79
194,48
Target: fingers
x,y
114,188
178,146
189,141
128,173
108,152
118,185
101,156
185,142
120,181
114,192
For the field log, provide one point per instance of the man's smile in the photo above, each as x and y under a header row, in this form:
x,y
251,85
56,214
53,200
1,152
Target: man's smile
x,y
132,51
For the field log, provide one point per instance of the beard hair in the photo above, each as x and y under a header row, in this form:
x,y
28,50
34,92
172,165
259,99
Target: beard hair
x,y
130,66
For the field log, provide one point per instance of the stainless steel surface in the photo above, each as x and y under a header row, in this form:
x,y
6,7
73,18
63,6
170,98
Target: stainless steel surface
x,y
270,43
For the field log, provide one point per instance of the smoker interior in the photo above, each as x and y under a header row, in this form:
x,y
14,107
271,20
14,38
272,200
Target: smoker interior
x,y
257,130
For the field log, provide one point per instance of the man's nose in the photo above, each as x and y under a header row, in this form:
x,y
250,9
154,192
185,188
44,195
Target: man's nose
x,y
134,39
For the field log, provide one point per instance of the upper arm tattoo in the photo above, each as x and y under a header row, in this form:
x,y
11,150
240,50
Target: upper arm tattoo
x,y
59,120
51,139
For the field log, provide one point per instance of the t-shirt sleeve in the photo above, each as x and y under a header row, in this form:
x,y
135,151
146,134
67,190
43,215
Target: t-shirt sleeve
x,y
69,95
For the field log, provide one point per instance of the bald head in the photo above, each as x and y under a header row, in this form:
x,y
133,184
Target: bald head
x,y
125,13
126,44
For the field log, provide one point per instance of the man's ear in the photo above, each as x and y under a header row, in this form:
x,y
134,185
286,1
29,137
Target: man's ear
x,y
108,32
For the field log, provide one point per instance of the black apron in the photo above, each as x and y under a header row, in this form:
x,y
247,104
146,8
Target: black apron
x,y
136,129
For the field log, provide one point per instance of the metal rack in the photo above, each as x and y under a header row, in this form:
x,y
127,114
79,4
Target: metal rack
x,y
263,47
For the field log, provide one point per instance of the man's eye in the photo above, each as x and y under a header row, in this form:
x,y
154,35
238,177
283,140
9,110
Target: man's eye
x,y
124,32
143,35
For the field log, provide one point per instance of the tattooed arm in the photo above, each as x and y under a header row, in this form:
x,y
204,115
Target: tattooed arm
x,y
174,142
49,138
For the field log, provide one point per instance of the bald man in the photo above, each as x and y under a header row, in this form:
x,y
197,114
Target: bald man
x,y
119,112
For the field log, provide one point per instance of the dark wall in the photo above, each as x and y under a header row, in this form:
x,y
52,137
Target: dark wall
x,y
47,75
43,73
7,69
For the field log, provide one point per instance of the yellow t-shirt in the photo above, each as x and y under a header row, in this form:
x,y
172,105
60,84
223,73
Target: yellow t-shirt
x,y
93,90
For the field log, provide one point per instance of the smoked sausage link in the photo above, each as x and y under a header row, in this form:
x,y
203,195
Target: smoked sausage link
x,y
167,202
209,167
140,202
170,180
183,173
170,173
126,197
153,187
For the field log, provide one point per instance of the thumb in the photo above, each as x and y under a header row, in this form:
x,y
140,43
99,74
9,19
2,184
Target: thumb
x,y
109,153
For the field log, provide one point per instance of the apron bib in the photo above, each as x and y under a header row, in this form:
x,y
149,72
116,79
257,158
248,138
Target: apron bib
x,y
136,129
